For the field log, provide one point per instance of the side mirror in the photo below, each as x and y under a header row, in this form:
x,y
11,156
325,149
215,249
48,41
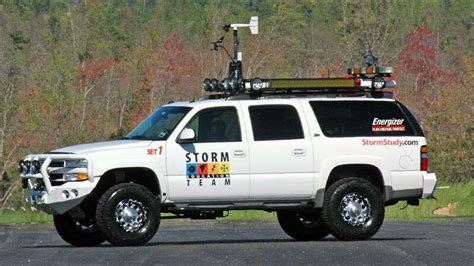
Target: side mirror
x,y
187,136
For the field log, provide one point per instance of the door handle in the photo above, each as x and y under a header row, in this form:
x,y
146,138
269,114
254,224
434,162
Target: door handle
x,y
299,152
238,153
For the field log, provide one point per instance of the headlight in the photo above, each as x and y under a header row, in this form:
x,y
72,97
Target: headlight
x,y
21,167
27,166
76,164
35,167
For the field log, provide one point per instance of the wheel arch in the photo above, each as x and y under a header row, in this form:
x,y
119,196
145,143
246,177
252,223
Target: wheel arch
x,y
369,172
139,175
366,171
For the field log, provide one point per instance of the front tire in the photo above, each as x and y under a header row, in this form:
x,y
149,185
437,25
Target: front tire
x,y
128,215
304,226
353,209
79,232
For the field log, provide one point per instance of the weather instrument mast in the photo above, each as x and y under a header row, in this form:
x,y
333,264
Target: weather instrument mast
x,y
358,79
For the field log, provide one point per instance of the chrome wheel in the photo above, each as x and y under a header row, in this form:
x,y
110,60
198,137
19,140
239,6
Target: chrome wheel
x,y
355,209
131,215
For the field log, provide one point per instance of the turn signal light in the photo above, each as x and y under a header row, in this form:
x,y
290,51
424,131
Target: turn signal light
x,y
76,177
83,177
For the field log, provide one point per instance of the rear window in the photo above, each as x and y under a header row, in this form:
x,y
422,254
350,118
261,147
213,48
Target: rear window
x,y
363,119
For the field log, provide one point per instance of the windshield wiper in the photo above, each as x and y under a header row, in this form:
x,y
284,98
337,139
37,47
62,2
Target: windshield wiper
x,y
138,137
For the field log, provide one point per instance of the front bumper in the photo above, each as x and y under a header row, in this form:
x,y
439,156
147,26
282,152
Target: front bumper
x,y
429,185
60,198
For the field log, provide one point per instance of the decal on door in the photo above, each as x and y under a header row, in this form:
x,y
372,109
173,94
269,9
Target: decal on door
x,y
212,166
387,125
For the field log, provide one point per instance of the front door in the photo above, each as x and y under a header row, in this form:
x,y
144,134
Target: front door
x,y
215,166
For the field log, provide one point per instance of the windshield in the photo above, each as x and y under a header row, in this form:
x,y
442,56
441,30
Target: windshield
x,y
160,124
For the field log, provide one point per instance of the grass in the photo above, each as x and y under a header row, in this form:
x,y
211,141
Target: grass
x,y
251,215
24,217
460,196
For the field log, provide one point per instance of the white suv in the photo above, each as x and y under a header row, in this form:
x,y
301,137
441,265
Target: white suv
x,y
327,164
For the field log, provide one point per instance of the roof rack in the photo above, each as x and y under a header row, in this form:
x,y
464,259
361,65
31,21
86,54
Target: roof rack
x,y
358,79
301,94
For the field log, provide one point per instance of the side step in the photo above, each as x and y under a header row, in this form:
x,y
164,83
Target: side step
x,y
266,206
212,210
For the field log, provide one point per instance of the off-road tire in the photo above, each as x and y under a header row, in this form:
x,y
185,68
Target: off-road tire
x,y
72,231
333,218
106,217
294,225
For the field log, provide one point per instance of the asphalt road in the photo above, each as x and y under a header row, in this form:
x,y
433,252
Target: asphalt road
x,y
237,243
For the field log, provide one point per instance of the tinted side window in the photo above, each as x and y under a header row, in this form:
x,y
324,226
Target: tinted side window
x,y
275,122
220,124
361,119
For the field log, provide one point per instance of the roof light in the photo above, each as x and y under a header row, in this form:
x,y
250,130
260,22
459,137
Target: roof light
x,y
214,85
225,84
358,82
378,83
370,70
206,84
257,84
390,83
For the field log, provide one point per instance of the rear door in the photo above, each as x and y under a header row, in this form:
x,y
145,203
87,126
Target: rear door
x,y
281,155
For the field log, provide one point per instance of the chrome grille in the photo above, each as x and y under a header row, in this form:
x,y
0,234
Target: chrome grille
x,y
55,176
56,164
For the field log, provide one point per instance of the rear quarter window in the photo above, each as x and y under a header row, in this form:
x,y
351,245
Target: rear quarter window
x,y
363,119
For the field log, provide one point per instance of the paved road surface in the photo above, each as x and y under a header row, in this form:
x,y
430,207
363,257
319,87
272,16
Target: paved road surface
x,y
237,243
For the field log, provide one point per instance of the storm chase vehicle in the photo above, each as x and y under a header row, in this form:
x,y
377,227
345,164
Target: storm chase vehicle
x,y
326,154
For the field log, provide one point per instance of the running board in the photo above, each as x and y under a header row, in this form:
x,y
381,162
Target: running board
x,y
266,206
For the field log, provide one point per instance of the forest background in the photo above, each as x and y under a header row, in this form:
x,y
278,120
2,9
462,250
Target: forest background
x,y
82,71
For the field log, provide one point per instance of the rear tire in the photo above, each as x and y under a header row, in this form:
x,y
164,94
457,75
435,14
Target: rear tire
x,y
128,215
80,232
353,209
304,226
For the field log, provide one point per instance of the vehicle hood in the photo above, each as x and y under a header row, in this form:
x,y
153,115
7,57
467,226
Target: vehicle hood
x,y
103,146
